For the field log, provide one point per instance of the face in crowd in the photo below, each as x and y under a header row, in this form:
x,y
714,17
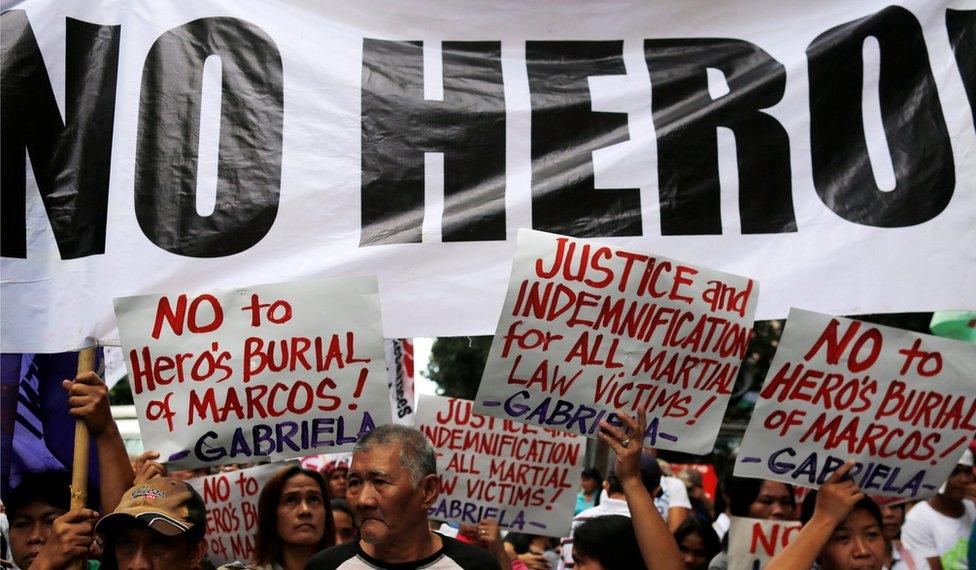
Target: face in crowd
x,y
29,530
345,526
856,544
338,482
301,512
32,507
892,517
388,503
775,501
138,547
697,543
588,484
293,516
959,483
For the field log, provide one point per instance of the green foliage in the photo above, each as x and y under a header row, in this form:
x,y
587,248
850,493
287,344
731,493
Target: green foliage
x,y
456,364
121,393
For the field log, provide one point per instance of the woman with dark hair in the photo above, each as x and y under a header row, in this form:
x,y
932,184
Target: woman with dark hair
x,y
606,543
697,542
842,530
591,483
758,499
294,519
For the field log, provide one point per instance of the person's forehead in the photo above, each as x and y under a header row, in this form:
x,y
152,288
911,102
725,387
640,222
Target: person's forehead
x,y
383,458
859,519
38,510
137,531
774,489
302,483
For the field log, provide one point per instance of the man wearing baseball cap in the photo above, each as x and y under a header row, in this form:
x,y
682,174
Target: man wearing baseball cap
x,y
158,525
938,529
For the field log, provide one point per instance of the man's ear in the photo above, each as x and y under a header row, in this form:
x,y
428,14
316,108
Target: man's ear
x,y
430,487
606,486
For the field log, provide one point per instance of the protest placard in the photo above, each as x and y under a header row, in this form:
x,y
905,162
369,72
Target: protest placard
x,y
523,477
278,371
317,462
232,510
754,542
399,378
901,404
588,329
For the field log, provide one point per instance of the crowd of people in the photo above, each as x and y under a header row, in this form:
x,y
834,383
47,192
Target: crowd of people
x,y
372,513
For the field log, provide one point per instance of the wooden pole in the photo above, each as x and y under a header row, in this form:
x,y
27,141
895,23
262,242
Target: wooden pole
x,y
79,468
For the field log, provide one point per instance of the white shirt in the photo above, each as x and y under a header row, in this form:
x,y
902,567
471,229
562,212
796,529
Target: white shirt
x,y
930,534
674,494
721,525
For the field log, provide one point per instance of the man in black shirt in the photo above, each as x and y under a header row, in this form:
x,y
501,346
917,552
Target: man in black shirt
x,y
391,483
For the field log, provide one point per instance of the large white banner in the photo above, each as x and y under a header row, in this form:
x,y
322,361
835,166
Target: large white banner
x,y
826,151
902,404
271,371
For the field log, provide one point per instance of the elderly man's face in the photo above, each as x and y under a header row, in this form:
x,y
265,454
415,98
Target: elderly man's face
x,y
383,496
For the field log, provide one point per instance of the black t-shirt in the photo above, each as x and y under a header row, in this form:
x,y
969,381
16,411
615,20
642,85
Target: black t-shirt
x,y
454,555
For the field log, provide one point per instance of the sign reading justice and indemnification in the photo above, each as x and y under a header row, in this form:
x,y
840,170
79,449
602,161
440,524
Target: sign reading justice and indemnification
x,y
588,329
520,475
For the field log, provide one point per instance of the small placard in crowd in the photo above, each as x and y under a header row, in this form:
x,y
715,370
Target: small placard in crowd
x,y
232,510
523,476
754,542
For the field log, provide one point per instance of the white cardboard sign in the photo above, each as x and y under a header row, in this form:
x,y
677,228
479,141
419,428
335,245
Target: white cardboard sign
x,y
523,477
277,371
232,510
588,329
754,542
902,404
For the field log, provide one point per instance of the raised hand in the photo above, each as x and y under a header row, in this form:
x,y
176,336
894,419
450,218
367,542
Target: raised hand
x,y
627,444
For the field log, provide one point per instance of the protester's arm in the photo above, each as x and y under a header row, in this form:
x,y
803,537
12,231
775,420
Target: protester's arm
x,y
835,500
657,544
70,538
487,535
676,516
88,401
